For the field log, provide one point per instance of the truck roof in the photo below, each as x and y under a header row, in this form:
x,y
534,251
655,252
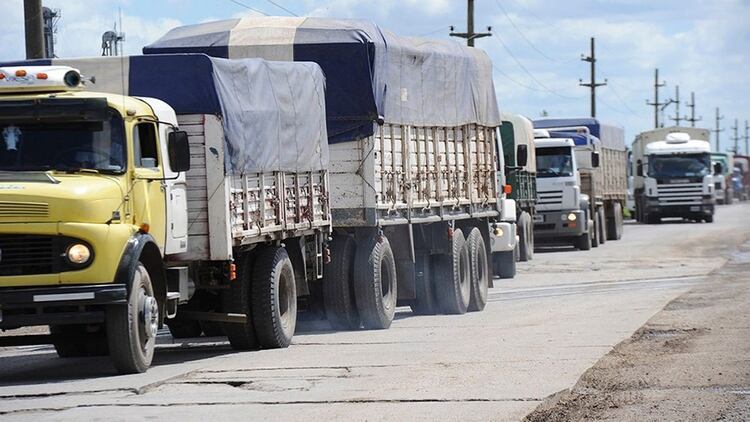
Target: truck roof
x,y
611,136
268,108
693,146
370,73
553,142
517,130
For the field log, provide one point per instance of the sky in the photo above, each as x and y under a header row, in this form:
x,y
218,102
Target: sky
x,y
701,45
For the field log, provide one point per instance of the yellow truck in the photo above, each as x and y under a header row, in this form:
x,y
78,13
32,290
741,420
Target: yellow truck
x,y
121,212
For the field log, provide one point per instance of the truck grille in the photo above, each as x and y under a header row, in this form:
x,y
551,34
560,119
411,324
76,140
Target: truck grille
x,y
23,209
680,194
549,198
33,254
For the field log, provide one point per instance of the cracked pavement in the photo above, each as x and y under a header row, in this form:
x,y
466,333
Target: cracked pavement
x,y
539,333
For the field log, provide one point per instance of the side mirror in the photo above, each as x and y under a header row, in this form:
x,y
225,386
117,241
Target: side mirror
x,y
178,149
718,168
595,159
522,155
639,168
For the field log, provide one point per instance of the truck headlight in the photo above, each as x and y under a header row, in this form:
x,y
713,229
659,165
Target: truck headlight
x,y
78,254
571,217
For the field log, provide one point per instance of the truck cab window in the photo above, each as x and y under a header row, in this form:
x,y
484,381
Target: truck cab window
x,y
144,146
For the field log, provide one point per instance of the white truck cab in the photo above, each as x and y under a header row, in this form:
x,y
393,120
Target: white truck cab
x,y
562,209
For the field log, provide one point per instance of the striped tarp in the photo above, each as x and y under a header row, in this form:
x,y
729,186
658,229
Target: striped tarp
x,y
371,73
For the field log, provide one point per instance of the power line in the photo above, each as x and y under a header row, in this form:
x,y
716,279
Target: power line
x,y
239,3
593,84
622,101
515,59
522,85
441,29
507,16
282,8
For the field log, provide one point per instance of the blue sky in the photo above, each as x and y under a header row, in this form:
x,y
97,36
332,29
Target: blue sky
x,y
702,45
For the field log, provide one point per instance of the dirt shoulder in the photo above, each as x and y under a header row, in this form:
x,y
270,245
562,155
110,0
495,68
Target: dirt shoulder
x,y
691,361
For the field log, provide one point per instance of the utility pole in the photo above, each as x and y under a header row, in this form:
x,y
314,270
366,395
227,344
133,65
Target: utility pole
x,y
677,118
691,105
718,129
736,138
593,84
747,128
34,27
657,105
470,35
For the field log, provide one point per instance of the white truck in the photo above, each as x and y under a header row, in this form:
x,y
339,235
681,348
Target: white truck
x,y
415,200
190,191
673,175
600,179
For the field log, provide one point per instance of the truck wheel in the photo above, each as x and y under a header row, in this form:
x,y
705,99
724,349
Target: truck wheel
x,y
274,298
583,242
526,250
338,287
453,276
426,302
180,328
131,328
614,224
504,264
709,219
375,287
84,340
602,233
594,231
236,300
480,271
653,219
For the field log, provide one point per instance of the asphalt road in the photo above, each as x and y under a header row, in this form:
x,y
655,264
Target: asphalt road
x,y
539,333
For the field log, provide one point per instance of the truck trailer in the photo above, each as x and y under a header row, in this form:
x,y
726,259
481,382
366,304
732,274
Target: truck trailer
x,y
517,134
601,179
412,126
723,166
742,174
673,175
191,191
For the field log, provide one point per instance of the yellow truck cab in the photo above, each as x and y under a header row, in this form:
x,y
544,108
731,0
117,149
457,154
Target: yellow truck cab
x,y
87,185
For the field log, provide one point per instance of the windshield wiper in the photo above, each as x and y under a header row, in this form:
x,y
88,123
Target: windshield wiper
x,y
76,170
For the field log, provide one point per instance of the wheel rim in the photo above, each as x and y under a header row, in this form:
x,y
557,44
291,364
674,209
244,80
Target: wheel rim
x,y
148,315
386,284
287,301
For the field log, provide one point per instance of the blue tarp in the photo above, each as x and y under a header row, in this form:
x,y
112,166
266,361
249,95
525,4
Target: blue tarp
x,y
370,73
611,136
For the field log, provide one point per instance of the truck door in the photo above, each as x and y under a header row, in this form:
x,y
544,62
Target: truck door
x,y
176,197
148,187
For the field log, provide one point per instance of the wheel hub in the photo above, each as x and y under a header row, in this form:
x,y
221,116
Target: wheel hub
x,y
150,310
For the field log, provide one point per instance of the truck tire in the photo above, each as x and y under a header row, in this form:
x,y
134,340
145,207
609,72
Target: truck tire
x,y
583,242
453,276
236,300
375,288
614,224
180,328
602,234
480,271
83,340
504,264
274,298
653,219
525,237
338,285
131,328
709,218
426,302
594,231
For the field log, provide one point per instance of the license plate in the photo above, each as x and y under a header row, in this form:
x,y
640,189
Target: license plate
x,y
538,218
695,208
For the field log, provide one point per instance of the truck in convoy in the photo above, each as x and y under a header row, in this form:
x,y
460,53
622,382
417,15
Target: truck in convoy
x,y
191,190
584,171
742,174
673,175
412,127
517,134
723,166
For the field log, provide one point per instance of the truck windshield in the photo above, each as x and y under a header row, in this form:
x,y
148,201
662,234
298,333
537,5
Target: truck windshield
x,y
688,165
64,146
554,162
